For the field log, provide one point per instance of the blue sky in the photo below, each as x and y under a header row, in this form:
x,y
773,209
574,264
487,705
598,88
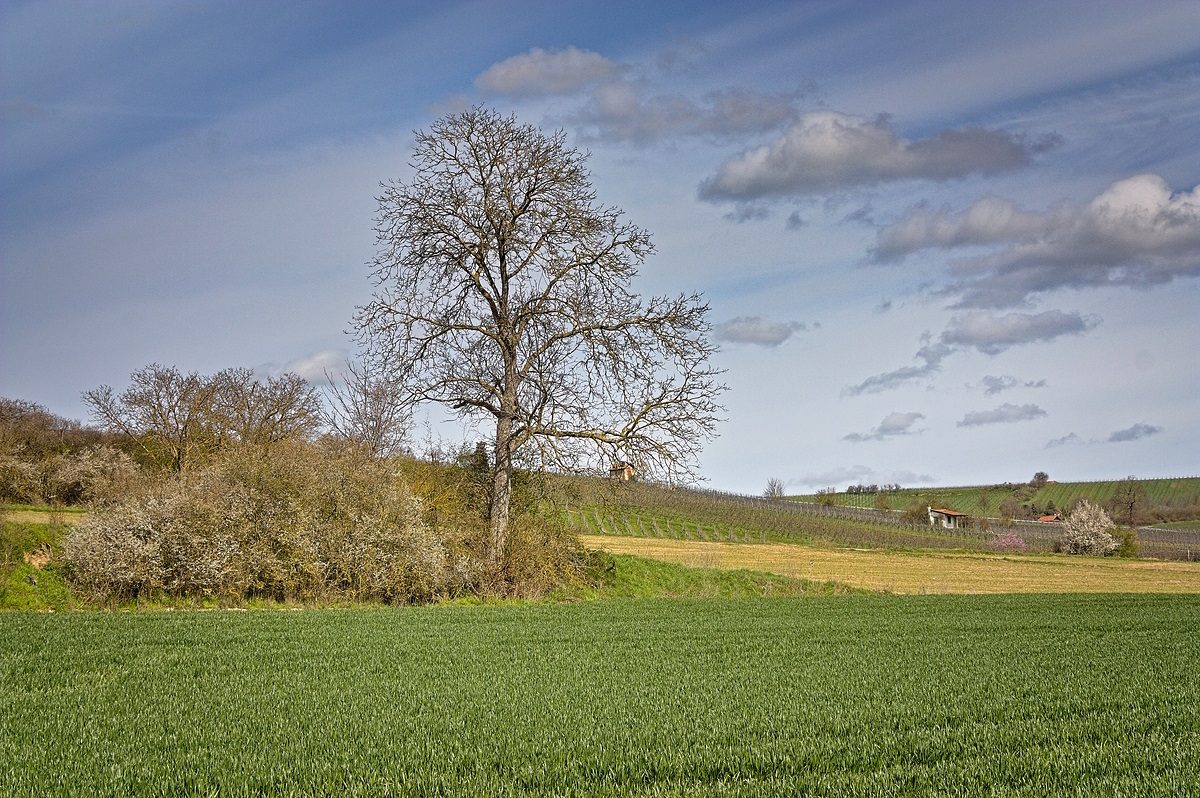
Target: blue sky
x,y
942,244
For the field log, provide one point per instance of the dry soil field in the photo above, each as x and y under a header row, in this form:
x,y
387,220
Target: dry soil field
x,y
912,572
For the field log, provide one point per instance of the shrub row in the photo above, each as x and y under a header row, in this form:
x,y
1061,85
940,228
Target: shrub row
x,y
303,522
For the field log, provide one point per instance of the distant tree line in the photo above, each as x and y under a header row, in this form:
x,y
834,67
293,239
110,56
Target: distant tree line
x,y
872,489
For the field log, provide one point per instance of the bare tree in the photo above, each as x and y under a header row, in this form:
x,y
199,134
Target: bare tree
x,y
775,488
1129,499
370,408
180,419
504,292
163,411
248,409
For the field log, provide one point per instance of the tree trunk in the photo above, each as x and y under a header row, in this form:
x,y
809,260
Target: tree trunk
x,y
501,484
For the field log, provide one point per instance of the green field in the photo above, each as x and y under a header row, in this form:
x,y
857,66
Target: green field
x,y
851,695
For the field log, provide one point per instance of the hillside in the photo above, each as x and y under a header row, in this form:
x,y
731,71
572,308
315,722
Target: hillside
x,y
604,507
1156,500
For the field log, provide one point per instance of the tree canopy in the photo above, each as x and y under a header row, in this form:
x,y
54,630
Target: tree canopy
x,y
504,292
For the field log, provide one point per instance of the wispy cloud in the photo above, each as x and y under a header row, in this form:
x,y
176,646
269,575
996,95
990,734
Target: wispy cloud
x,y
618,111
826,151
993,385
893,425
986,333
1135,233
932,357
316,368
849,475
547,72
757,330
1134,433
1006,413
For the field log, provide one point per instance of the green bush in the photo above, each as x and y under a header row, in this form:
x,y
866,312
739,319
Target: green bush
x,y
1129,545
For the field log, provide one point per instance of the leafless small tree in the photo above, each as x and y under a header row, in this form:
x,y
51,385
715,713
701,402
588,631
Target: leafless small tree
x,y
163,411
774,489
503,291
369,407
1129,500
250,409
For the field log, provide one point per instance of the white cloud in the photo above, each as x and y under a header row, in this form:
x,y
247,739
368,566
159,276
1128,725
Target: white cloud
x,y
1134,233
827,151
858,474
893,424
987,221
932,355
994,385
316,368
986,333
1006,413
545,72
993,334
616,111
1136,432
757,330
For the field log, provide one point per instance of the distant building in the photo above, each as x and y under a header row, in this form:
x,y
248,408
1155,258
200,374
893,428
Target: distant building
x,y
1049,519
622,471
949,519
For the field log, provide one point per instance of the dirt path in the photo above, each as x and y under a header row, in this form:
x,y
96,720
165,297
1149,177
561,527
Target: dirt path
x,y
68,517
907,572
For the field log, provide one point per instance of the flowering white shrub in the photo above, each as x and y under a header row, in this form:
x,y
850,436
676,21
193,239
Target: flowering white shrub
x,y
1088,531
302,523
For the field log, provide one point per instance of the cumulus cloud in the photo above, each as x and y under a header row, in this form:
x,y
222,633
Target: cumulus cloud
x,y
893,425
989,220
545,72
993,385
932,357
1134,233
618,111
1134,433
825,151
993,334
757,330
1006,413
